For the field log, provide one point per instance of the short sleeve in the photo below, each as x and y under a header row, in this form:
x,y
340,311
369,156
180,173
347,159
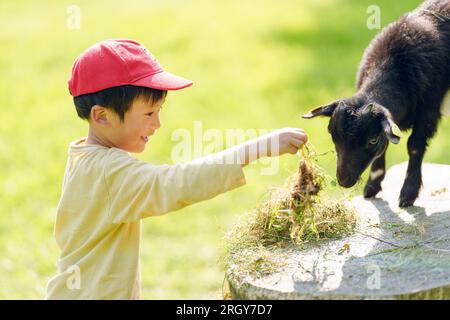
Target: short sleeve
x,y
137,189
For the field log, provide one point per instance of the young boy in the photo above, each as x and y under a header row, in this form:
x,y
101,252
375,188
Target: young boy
x,y
119,87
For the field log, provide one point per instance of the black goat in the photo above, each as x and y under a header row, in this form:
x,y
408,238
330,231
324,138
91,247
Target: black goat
x,y
402,80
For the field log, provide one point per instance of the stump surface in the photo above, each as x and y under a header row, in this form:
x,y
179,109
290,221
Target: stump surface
x,y
394,253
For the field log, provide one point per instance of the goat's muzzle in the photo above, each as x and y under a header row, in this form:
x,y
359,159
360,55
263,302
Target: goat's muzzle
x,y
346,180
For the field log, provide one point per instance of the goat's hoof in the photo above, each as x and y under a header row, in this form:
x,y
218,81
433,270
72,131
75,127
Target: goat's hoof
x,y
407,201
404,203
408,195
370,191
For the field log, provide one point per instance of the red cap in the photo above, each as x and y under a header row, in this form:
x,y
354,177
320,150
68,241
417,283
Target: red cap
x,y
117,62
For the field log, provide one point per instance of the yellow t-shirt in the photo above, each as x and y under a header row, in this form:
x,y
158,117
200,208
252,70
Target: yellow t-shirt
x,y
105,194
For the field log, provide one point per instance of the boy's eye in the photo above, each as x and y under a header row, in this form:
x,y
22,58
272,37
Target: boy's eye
x,y
149,114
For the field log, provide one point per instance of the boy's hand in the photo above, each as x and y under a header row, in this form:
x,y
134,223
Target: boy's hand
x,y
288,140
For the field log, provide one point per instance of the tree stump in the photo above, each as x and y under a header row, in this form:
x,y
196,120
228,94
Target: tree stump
x,y
393,254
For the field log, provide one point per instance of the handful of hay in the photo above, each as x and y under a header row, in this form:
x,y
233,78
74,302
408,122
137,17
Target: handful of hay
x,y
295,214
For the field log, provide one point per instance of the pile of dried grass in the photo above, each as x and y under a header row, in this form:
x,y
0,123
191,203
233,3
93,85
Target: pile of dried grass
x,y
294,215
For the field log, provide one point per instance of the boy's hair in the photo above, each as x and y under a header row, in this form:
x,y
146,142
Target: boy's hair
x,y
118,99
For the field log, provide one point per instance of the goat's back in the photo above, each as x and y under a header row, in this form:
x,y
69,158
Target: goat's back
x,y
410,57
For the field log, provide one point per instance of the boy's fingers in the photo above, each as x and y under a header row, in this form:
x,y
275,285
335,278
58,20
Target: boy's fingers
x,y
292,149
297,143
301,136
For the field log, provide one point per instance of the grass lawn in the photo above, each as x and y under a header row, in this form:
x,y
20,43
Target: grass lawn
x,y
255,64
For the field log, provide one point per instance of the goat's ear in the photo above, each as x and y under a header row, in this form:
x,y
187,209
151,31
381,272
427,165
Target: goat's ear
x,y
326,110
391,129
369,108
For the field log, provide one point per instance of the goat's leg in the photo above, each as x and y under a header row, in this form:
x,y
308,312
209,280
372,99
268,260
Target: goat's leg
x,y
416,149
377,173
423,130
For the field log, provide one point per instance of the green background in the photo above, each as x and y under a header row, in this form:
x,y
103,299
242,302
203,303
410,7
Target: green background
x,y
255,64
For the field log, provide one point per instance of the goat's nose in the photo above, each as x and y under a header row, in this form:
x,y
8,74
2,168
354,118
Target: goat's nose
x,y
345,180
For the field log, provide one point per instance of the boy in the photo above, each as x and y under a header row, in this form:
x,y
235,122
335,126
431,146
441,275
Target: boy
x,y
119,87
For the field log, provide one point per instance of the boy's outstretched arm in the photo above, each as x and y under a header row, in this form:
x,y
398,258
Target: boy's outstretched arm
x,y
138,189
275,143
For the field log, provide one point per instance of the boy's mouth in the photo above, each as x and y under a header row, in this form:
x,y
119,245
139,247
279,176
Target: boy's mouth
x,y
144,138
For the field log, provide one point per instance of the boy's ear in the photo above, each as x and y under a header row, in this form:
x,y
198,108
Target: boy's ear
x,y
99,114
326,110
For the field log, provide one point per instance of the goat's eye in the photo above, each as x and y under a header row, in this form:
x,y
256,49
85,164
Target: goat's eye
x,y
373,141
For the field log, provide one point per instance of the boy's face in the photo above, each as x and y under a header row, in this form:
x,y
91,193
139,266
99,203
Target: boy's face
x,y
141,121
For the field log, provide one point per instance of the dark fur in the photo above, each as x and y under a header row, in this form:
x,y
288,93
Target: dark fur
x,y
403,78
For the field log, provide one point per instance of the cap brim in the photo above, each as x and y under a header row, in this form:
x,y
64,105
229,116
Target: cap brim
x,y
163,81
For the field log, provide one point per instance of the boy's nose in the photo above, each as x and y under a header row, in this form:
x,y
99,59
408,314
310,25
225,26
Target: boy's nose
x,y
157,124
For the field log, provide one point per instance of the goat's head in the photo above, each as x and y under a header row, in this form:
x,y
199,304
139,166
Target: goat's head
x,y
360,133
